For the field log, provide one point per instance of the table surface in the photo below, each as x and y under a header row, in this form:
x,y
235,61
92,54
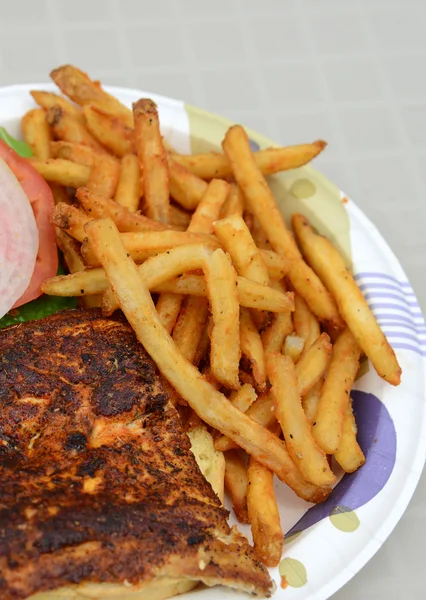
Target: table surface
x,y
350,72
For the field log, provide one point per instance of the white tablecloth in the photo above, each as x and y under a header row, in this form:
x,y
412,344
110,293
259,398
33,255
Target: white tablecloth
x,y
351,72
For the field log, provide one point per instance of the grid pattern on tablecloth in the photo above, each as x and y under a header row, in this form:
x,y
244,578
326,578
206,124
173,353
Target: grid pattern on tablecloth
x,y
351,72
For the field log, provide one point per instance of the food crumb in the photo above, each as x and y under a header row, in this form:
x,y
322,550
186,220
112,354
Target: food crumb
x,y
284,582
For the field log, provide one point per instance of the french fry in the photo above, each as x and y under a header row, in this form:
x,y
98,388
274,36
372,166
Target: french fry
x,y
329,265
189,326
221,280
168,307
243,398
127,222
261,411
109,130
66,128
305,322
235,237
349,454
128,190
203,345
71,220
60,193
152,160
185,188
209,207
48,99
78,86
333,404
269,161
313,363
80,283
37,133
236,484
142,245
311,400
234,203
78,153
251,348
281,326
179,218
264,515
136,303
293,347
259,236
103,176
309,457
277,265
261,203
70,250
64,172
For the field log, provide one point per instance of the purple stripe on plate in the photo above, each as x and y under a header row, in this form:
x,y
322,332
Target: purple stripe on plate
x,y
384,286
412,326
401,319
366,275
373,295
380,305
402,346
391,335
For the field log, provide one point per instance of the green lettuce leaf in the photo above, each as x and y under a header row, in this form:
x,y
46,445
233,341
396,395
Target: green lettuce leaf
x,y
20,147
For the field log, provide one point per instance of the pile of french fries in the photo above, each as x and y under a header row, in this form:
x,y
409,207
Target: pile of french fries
x,y
258,331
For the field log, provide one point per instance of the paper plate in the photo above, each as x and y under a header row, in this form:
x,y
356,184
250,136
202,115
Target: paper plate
x,y
328,543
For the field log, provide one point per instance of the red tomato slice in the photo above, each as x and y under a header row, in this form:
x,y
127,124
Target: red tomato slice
x,y
41,198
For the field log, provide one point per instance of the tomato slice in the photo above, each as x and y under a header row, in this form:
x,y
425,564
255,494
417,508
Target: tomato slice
x,y
41,198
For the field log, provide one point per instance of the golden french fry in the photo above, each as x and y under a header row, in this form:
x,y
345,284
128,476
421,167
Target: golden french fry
x,y
311,400
308,456
168,307
80,283
349,454
305,322
71,252
281,326
261,203
269,161
78,153
251,347
313,363
66,128
221,280
128,190
185,188
71,220
136,303
109,129
235,237
48,99
37,133
127,222
189,326
203,346
209,207
179,218
152,160
103,176
236,484
234,203
78,86
330,266
60,193
259,237
243,398
293,347
64,172
264,515
333,404
142,245
277,265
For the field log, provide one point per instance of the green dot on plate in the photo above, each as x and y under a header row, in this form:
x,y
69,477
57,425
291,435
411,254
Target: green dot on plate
x,y
293,537
344,519
292,572
303,188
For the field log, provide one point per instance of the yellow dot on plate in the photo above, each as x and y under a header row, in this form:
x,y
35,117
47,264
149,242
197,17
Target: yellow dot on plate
x,y
292,572
344,519
303,188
